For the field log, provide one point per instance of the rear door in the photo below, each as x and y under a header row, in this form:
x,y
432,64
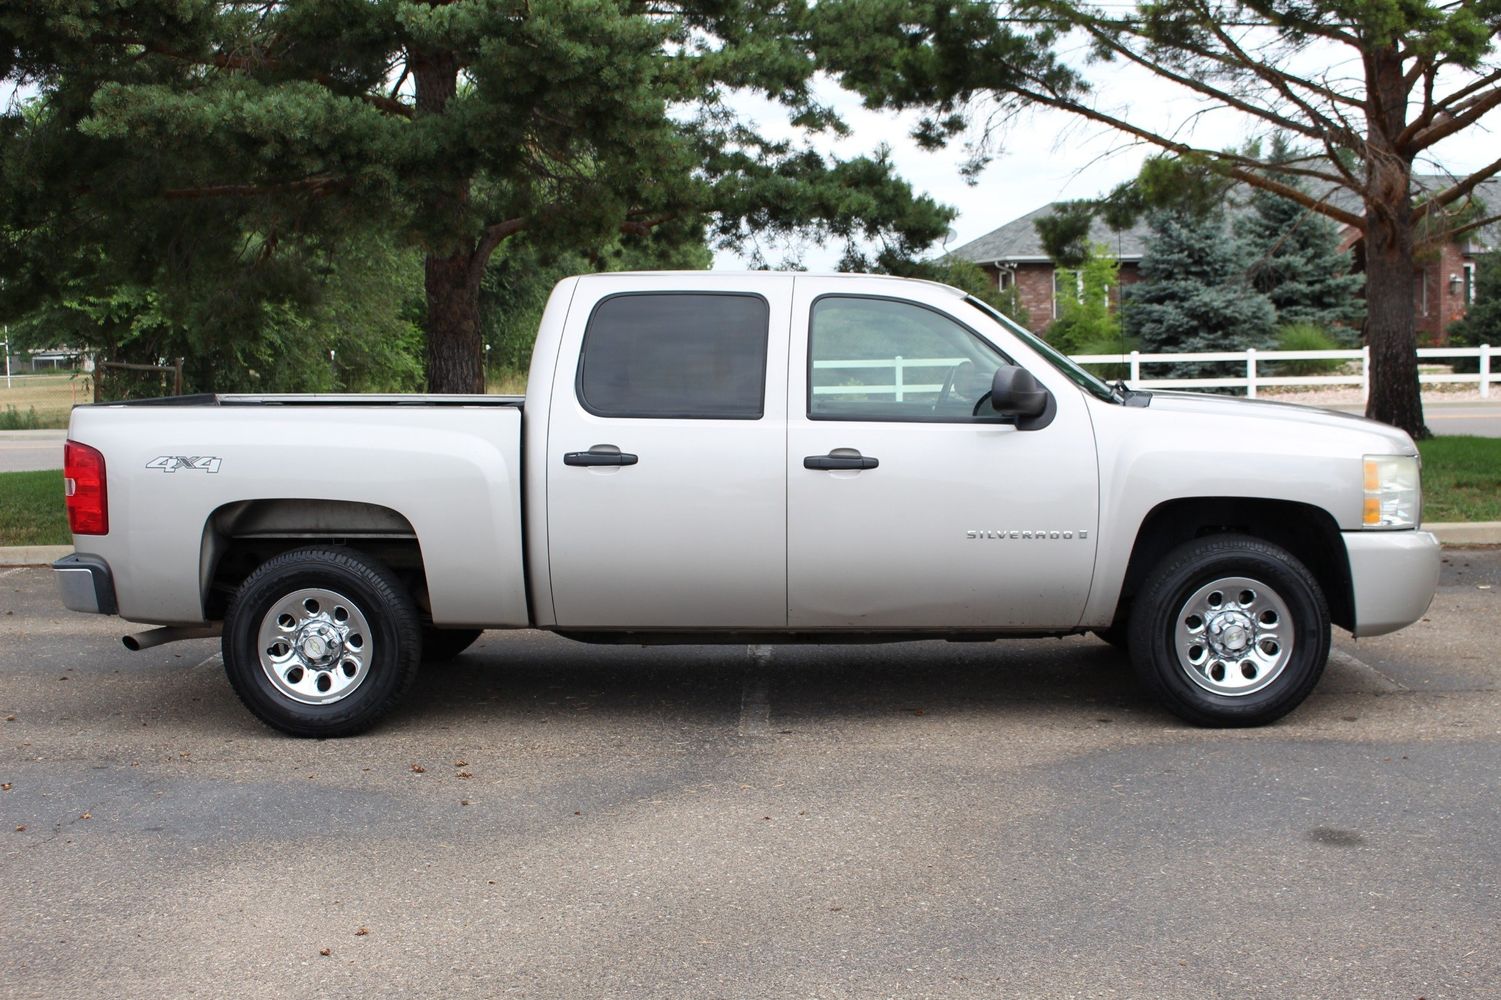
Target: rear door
x,y
666,455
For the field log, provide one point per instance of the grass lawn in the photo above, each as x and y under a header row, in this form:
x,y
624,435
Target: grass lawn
x,y
1461,479
31,509
51,396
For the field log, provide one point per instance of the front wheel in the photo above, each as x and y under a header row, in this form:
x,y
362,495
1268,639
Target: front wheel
x,y
321,642
1230,631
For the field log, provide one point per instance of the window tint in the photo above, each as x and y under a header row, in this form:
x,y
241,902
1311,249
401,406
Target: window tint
x,y
881,359
675,355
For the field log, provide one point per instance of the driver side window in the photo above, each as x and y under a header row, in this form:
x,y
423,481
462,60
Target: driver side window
x,y
883,359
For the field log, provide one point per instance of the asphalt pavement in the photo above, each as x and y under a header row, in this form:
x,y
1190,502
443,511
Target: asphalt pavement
x,y
1443,417
1479,419
546,819
31,451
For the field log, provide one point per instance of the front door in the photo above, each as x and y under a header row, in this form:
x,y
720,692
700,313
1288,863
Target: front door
x,y
906,508
666,457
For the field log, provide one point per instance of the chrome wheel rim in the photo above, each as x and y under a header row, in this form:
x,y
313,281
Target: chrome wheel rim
x,y
315,646
1233,636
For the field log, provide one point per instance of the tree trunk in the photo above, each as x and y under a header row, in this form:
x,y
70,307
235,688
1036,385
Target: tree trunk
x,y
455,349
1395,398
455,353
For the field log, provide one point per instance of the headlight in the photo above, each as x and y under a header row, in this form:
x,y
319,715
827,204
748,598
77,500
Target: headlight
x,y
1393,492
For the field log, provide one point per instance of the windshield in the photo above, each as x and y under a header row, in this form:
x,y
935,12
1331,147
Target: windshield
x,y
1075,374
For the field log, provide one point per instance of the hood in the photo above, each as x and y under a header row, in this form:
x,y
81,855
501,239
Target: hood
x,y
1191,403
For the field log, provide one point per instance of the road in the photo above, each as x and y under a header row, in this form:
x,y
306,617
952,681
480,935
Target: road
x,y
1481,419
30,451
545,819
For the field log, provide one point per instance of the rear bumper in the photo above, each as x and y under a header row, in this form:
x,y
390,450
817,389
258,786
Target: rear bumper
x,y
86,584
1394,575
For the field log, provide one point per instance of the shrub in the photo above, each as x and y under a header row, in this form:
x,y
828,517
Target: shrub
x,y
1108,345
14,420
1307,337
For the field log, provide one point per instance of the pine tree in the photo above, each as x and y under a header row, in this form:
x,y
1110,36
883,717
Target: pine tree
x,y
1193,295
1296,262
172,127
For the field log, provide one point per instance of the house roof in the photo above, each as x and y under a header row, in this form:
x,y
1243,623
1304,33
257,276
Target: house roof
x,y
1019,242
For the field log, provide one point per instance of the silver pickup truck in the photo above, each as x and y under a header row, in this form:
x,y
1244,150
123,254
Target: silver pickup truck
x,y
749,458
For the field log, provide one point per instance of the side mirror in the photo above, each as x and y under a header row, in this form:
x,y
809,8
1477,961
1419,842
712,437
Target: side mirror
x,y
1015,392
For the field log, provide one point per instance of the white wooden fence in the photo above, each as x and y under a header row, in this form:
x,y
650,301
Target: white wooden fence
x,y
1358,374
1252,380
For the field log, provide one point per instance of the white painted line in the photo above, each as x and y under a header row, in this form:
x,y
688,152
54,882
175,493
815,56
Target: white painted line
x,y
10,572
755,699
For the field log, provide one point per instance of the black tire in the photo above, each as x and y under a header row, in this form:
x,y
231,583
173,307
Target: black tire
x,y
1231,663
439,645
331,678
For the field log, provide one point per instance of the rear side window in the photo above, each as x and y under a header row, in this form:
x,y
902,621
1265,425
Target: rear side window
x,y
675,355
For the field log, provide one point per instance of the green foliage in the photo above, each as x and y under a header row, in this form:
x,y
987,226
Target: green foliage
x,y
1482,323
1193,296
521,276
1307,337
1065,233
1087,319
1295,258
244,321
12,419
32,510
177,143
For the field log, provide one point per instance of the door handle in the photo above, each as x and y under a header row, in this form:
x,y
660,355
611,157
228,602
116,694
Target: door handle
x,y
600,454
840,458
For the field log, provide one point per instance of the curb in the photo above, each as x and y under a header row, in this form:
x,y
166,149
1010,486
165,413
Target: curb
x,y
1451,533
1466,532
33,555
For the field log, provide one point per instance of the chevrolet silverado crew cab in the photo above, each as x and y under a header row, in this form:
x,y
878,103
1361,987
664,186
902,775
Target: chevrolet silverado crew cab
x,y
749,458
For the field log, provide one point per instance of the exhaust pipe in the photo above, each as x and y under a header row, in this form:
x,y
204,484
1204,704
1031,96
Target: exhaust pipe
x,y
170,633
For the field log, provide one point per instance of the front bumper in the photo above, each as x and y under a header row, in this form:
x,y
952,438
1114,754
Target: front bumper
x,y
86,584
1393,575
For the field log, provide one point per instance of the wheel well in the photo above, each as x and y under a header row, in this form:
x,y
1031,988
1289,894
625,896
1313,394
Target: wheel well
x,y
1306,531
239,537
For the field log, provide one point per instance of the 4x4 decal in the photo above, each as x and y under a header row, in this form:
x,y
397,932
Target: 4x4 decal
x,y
196,463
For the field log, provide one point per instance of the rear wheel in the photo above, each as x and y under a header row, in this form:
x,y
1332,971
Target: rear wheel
x,y
321,642
1230,631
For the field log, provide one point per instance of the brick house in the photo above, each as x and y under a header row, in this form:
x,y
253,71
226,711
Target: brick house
x,y
1013,256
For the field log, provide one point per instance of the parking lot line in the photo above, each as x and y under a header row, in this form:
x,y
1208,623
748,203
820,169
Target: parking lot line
x,y
755,700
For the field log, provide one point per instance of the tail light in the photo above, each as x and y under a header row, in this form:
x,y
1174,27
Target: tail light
x,y
83,485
